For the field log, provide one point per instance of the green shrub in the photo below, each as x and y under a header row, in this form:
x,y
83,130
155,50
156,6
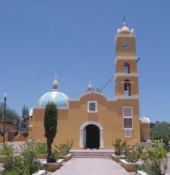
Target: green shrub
x,y
41,148
133,154
155,159
6,149
64,148
119,146
24,164
55,155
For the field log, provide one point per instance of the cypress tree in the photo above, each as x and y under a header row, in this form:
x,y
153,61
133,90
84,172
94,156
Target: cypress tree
x,y
50,125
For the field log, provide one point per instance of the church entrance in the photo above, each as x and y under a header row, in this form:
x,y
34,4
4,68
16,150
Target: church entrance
x,y
92,136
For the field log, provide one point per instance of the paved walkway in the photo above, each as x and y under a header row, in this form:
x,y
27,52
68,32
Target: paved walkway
x,y
91,166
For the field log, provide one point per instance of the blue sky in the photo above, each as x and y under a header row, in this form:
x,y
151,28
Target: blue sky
x,y
75,41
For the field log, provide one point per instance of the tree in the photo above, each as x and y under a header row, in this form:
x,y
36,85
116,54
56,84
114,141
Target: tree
x,y
161,131
50,125
10,113
160,136
25,113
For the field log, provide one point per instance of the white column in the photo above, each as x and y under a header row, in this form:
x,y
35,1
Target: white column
x,y
101,139
81,138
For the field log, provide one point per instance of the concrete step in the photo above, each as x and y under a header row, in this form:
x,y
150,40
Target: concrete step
x,y
91,153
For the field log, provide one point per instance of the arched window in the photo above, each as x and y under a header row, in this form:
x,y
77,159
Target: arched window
x,y
126,68
127,88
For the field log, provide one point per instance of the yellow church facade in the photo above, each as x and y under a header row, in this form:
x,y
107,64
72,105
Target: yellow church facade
x,y
92,120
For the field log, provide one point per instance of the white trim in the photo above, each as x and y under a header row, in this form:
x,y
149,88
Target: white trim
x,y
88,106
126,58
129,82
136,97
125,75
31,112
82,138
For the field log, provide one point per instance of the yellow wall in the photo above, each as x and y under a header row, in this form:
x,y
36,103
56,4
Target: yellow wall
x,y
109,115
145,130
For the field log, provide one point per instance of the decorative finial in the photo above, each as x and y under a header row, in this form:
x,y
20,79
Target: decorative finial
x,y
90,87
124,20
55,83
132,31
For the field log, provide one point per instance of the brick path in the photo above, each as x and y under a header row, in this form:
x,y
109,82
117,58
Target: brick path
x,y
88,166
91,166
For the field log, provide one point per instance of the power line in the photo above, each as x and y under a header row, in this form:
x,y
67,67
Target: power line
x,y
106,83
48,74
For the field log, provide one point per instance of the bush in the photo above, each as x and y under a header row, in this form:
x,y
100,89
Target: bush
x,y
24,164
41,148
6,149
120,146
64,148
133,154
55,155
155,159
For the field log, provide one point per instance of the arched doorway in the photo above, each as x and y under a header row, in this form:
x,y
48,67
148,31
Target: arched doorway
x,y
92,137
88,128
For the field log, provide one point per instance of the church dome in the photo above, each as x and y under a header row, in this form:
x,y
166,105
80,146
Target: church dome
x,y
55,96
124,29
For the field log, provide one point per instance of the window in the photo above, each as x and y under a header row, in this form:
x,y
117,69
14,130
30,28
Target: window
x,y
127,111
92,106
126,68
127,117
127,122
128,133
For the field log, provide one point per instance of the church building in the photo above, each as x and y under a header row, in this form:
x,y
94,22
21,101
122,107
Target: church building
x,y
92,120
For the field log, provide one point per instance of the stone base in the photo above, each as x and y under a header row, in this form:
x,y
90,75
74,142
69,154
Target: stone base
x,y
53,166
128,166
117,158
67,157
40,172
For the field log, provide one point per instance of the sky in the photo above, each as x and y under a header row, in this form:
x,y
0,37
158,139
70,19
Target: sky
x,y
75,41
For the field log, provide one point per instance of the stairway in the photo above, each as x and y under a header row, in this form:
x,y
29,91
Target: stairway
x,y
88,153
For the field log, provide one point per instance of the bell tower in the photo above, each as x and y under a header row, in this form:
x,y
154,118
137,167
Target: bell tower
x,y
126,83
126,76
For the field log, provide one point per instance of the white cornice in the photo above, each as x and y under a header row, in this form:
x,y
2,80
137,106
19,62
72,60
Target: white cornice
x,y
125,75
125,58
136,97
